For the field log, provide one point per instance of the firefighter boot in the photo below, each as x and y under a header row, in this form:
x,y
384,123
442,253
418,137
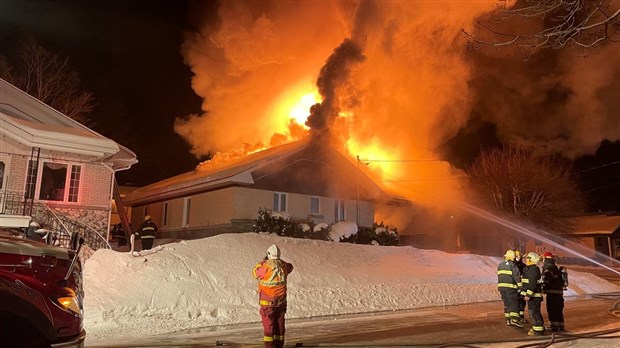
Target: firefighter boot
x,y
516,323
533,332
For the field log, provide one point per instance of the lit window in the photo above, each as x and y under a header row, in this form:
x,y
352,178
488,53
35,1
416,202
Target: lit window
x,y
59,181
74,183
314,205
279,201
339,210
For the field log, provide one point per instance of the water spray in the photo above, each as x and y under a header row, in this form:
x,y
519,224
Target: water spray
x,y
536,235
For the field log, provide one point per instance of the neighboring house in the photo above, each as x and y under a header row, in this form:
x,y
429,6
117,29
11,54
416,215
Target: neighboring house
x,y
54,169
302,180
593,234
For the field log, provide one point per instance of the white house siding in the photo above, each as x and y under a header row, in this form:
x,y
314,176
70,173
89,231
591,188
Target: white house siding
x,y
212,208
247,202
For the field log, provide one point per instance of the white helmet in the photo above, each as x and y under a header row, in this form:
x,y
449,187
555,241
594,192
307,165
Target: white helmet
x,y
273,253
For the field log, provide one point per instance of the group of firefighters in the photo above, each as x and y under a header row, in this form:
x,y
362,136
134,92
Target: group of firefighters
x,y
522,283
519,284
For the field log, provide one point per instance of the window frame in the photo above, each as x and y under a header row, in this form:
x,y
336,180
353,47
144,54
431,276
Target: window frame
x,y
187,206
318,205
279,196
340,210
40,165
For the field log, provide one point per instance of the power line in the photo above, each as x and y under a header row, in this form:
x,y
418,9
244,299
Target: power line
x,y
601,166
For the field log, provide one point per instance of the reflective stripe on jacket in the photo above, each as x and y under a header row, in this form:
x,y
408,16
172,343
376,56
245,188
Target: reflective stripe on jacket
x,y
531,281
147,229
272,276
508,276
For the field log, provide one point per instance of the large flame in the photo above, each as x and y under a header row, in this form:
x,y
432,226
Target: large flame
x,y
392,79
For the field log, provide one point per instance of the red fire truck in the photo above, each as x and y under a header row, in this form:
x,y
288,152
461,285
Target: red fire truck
x,y
40,294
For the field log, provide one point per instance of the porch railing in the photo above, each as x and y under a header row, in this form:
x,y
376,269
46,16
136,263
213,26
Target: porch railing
x,y
61,227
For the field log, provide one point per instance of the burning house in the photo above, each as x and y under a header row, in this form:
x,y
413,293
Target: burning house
x,y
53,169
303,180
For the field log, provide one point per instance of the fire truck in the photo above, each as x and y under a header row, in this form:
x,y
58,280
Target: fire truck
x,y
41,294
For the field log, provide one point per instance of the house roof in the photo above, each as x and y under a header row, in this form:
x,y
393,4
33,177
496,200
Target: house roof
x,y
32,123
276,168
596,224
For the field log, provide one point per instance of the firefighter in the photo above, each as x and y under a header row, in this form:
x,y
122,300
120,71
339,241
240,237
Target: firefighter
x,y
146,232
554,284
532,291
521,267
508,283
272,273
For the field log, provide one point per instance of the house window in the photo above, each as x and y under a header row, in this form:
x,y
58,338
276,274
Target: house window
x,y
314,205
279,201
165,214
186,209
1,175
74,183
339,210
59,182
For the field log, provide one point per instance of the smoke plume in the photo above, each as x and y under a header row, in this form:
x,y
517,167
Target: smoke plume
x,y
397,82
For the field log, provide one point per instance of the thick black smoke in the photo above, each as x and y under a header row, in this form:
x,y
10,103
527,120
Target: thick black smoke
x,y
333,75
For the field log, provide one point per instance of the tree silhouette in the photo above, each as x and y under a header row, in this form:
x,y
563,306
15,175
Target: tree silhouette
x,y
523,185
49,78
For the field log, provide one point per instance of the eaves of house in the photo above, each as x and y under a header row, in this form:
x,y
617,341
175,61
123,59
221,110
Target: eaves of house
x,y
33,124
596,225
271,169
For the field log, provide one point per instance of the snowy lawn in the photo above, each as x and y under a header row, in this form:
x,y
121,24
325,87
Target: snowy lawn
x,y
208,282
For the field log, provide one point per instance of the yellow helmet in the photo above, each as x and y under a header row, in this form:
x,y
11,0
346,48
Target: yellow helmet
x,y
533,258
509,255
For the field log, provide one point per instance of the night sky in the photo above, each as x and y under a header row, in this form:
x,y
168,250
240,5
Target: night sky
x,y
128,54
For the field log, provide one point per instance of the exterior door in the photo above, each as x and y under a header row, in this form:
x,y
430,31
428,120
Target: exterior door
x,y
5,161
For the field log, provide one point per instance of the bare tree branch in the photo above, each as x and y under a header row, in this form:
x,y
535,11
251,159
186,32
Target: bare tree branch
x,y
49,78
519,183
561,23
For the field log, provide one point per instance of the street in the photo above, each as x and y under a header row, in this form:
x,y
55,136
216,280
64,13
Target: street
x,y
479,324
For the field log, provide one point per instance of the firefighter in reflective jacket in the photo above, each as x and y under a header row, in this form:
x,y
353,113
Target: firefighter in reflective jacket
x,y
146,232
508,283
532,290
554,284
272,273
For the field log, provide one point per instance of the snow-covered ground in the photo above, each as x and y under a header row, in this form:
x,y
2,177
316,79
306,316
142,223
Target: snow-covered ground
x,y
207,282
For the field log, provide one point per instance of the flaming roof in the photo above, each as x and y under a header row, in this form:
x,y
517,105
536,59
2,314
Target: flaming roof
x,y
302,167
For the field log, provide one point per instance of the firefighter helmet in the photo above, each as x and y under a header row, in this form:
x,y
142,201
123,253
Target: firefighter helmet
x,y
273,253
533,257
509,255
547,255
517,254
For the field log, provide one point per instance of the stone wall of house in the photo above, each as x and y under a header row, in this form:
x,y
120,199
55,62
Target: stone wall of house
x,y
96,218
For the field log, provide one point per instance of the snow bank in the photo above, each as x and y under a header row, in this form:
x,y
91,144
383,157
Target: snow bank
x,y
208,282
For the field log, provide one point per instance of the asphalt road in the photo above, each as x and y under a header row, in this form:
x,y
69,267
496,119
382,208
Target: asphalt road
x,y
480,325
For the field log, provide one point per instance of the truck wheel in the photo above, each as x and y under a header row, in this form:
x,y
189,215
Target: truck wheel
x,y
19,333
